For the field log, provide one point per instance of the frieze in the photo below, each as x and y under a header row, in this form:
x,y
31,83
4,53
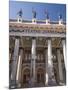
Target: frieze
x,y
37,31
40,28
50,27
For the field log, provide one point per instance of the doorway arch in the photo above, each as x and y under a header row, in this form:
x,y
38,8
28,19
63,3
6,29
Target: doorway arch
x,y
25,77
40,76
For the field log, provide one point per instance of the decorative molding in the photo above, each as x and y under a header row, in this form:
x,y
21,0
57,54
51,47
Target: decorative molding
x,y
36,34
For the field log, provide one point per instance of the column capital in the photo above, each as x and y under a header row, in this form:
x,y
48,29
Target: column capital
x,y
21,48
58,48
45,48
63,41
63,38
33,37
48,38
17,37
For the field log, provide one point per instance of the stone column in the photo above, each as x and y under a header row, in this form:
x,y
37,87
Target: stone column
x,y
64,51
19,68
14,64
50,76
46,67
33,53
60,66
10,65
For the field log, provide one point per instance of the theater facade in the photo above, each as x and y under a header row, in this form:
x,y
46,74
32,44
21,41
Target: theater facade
x,y
37,53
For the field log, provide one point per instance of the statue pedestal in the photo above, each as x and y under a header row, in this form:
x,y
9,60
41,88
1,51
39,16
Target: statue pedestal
x,y
47,21
34,21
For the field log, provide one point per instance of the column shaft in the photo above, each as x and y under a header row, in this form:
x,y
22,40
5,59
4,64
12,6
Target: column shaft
x,y
33,52
50,66
19,68
60,65
46,67
64,51
15,60
51,78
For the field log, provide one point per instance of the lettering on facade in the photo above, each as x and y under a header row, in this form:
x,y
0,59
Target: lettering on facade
x,y
36,31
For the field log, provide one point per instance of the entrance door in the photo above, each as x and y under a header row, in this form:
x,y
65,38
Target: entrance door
x,y
26,78
40,77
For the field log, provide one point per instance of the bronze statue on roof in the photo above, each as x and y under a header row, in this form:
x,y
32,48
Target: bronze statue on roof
x,y
20,13
34,13
47,14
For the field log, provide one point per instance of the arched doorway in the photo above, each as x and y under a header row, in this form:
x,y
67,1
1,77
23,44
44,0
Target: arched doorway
x,y
26,77
40,77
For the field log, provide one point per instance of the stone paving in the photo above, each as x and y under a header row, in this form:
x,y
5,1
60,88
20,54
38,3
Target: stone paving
x,y
51,84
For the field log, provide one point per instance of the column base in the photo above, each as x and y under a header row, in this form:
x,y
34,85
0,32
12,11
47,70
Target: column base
x,y
33,82
61,83
14,84
52,82
46,84
18,85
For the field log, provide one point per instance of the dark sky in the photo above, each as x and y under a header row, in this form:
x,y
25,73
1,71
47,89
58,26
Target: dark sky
x,y
53,9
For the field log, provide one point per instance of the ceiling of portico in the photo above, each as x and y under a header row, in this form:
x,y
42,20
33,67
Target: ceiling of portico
x,y
56,42
40,42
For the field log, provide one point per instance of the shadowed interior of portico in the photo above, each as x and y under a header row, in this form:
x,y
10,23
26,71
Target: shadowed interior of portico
x,y
36,73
